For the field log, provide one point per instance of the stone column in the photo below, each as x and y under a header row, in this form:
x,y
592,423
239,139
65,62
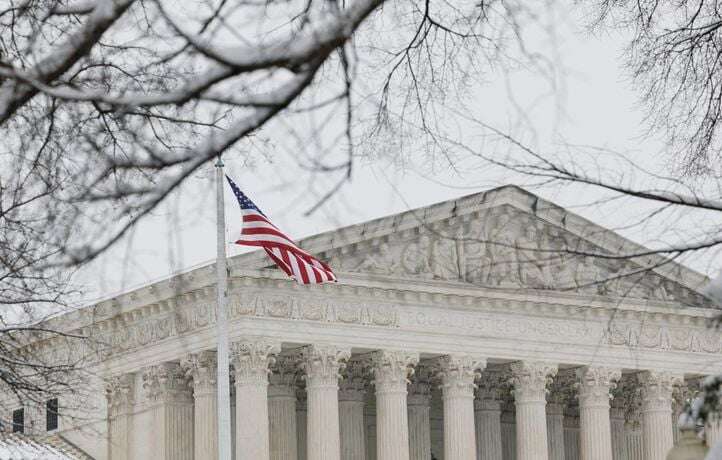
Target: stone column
x,y
301,426
530,380
370,419
487,415
571,433
458,373
508,431
282,409
201,368
251,359
595,384
562,394
120,391
419,402
351,402
617,421
713,430
322,364
656,392
555,430
391,372
633,435
168,392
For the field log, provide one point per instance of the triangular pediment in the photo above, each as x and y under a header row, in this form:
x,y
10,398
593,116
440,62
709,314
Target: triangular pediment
x,y
506,238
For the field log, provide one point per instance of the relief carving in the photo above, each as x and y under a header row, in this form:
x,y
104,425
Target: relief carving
x,y
506,248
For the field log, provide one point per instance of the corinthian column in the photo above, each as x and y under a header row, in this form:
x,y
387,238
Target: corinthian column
x,y
419,401
391,371
351,401
168,393
251,359
657,435
201,368
322,364
530,380
457,373
595,384
558,398
119,392
555,430
617,421
301,427
487,415
282,409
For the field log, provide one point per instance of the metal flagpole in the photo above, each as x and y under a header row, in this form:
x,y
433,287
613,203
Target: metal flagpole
x,y
224,391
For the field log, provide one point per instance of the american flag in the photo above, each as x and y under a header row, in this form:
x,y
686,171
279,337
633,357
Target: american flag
x,y
259,231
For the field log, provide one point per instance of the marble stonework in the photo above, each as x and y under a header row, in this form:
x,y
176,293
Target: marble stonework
x,y
464,330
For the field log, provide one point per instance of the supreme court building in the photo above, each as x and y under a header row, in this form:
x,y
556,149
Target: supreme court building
x,y
459,331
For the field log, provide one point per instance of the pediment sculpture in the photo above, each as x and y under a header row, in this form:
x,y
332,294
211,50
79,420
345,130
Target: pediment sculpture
x,y
507,248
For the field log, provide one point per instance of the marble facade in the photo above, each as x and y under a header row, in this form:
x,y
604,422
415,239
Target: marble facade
x,y
475,329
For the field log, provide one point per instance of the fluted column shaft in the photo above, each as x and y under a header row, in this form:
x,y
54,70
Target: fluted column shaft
x,y
458,373
322,365
119,391
657,435
633,436
391,371
282,409
487,421
619,444
555,431
282,422
595,432
530,380
251,359
352,425
201,368
571,434
301,425
168,392
419,402
713,430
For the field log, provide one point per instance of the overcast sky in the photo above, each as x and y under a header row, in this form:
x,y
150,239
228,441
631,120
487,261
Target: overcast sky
x,y
592,103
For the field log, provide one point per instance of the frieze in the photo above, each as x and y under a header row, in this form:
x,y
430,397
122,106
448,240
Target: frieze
x,y
492,317
663,337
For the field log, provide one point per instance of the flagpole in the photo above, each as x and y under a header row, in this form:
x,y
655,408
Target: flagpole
x,y
223,377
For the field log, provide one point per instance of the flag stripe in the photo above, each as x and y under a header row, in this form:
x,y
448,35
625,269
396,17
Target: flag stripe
x,y
258,231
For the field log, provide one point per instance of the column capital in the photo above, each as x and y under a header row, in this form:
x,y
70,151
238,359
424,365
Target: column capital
x,y
595,384
457,374
201,368
420,387
530,380
166,382
353,385
657,389
323,364
392,369
119,391
493,384
283,376
251,358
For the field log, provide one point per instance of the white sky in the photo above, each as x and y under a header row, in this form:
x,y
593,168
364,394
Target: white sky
x,y
593,105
